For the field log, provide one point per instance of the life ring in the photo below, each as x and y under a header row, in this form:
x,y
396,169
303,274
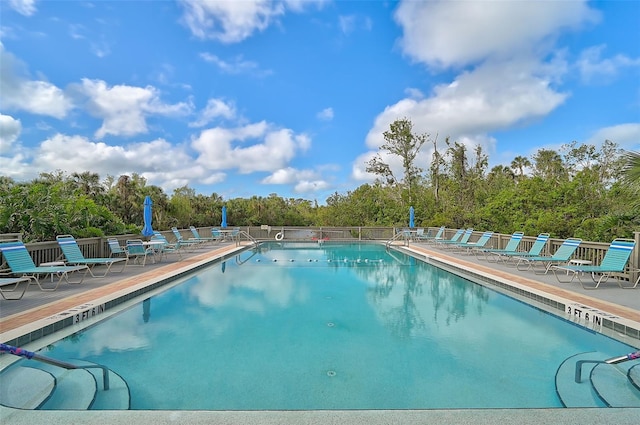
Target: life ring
x,y
279,236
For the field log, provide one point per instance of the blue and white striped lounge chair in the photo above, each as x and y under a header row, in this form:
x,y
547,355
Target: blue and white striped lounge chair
x,y
534,251
15,283
464,238
74,256
614,261
166,247
512,246
185,242
429,237
21,264
455,238
561,256
197,237
480,243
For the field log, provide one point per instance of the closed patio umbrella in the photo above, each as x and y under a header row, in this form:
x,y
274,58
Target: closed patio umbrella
x,y
147,230
411,217
224,217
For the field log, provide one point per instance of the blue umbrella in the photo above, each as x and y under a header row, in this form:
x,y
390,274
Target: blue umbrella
x,y
411,217
147,230
224,217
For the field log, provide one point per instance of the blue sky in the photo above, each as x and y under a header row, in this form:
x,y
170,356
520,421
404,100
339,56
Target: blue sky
x,y
244,98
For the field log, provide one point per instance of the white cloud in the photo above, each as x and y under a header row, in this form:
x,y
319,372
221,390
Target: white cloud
x,y
226,148
305,186
160,162
347,23
285,176
10,129
509,79
326,114
19,92
627,136
237,65
229,21
234,21
493,96
305,181
455,33
358,168
23,7
593,67
216,108
124,109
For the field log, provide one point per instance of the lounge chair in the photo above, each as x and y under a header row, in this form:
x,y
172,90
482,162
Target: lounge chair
x,y
21,263
137,250
561,256
74,256
197,237
185,242
15,281
534,251
480,243
614,261
512,246
429,237
464,238
455,238
166,247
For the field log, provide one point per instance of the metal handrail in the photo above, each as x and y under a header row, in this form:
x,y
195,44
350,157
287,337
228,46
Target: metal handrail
x,y
248,236
612,360
394,238
20,352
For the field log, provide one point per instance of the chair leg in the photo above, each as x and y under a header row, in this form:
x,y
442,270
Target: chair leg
x,y
603,278
635,285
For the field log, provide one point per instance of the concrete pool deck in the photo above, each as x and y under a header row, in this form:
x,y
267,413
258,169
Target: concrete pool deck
x,y
29,314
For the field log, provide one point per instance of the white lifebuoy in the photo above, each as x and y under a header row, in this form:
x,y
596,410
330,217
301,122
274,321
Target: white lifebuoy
x,y
279,236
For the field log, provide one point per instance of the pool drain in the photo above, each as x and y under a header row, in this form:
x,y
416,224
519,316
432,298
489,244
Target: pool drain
x,y
331,324
331,373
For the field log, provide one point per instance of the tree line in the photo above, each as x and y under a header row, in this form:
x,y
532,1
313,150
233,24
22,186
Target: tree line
x,y
578,191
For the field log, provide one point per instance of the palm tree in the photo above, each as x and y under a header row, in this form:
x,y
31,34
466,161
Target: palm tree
x,y
519,163
631,171
631,174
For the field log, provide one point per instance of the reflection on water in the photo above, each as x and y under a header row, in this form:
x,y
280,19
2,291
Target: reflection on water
x,y
146,310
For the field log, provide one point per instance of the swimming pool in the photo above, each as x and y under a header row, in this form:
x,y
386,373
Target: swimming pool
x,y
328,326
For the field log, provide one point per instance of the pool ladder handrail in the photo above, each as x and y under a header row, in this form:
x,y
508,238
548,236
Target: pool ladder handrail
x,y
612,360
20,352
399,235
248,236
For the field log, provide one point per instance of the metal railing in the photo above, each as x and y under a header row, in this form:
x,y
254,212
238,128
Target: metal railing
x,y
246,235
16,351
612,360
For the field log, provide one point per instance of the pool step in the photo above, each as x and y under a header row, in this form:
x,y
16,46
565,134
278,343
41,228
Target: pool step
x,y
601,385
117,397
634,375
34,385
74,390
25,388
613,386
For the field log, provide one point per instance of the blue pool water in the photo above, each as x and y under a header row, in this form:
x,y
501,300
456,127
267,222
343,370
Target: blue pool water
x,y
324,326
